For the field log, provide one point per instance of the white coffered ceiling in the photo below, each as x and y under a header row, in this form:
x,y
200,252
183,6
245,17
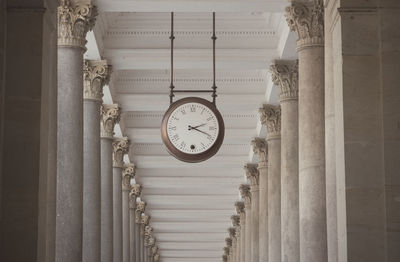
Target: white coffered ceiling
x,y
190,204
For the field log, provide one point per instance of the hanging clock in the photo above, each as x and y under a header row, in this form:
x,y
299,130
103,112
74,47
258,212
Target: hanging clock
x,y
192,128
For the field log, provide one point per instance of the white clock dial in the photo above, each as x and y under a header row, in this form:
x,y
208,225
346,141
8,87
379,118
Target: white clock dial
x,y
192,128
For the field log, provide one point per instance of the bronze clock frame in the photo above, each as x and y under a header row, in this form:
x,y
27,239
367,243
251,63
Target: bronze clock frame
x,y
193,158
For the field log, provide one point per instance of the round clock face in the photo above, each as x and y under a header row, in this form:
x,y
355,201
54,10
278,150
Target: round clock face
x,y
192,129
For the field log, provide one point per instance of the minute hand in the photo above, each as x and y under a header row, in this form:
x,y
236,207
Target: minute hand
x,y
201,131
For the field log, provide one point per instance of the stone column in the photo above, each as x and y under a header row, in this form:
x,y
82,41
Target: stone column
x,y
120,148
145,220
157,257
110,115
253,176
73,24
246,195
140,208
232,236
154,252
95,75
226,253
241,211
307,19
127,174
224,258
134,194
285,75
271,117
148,231
228,242
260,148
236,224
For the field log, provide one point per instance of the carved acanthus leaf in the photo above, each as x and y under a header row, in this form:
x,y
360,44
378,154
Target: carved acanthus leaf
x,y
136,190
96,74
154,250
232,232
307,19
226,251
145,220
252,174
224,258
74,23
260,147
110,116
127,174
246,194
156,257
148,231
120,148
285,74
271,117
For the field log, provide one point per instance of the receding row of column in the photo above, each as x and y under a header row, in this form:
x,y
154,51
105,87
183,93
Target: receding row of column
x,y
284,214
99,213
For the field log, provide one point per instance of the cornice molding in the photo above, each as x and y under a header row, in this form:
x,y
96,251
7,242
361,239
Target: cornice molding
x,y
224,33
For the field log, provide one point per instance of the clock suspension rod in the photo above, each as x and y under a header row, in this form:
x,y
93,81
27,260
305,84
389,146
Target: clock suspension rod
x,y
214,38
172,37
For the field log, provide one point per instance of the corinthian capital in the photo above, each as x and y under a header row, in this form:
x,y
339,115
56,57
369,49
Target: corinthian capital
x,y
120,148
252,174
224,258
239,205
140,207
246,195
127,174
154,250
228,242
307,19
110,115
145,220
74,22
96,74
136,190
285,74
260,147
271,117
148,231
232,232
156,257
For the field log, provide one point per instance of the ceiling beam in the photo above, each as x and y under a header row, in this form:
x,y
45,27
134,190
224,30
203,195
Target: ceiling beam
x,y
191,6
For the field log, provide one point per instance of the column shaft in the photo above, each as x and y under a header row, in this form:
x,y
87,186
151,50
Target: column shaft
x,y
127,174
274,200
137,242
254,225
248,234
91,182
117,214
242,239
132,230
106,201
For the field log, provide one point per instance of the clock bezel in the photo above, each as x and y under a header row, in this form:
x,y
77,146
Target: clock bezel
x,y
193,158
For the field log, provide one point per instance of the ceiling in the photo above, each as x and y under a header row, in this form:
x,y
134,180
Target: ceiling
x,y
190,204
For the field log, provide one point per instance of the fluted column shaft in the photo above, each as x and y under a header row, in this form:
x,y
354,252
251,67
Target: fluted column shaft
x,y
285,75
308,21
110,115
140,207
253,176
120,148
248,233
72,31
96,75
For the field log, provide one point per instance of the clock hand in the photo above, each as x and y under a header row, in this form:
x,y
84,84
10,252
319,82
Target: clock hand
x,y
200,131
198,125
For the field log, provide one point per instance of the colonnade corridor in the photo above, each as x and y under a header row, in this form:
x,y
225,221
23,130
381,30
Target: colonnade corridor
x,y
96,167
